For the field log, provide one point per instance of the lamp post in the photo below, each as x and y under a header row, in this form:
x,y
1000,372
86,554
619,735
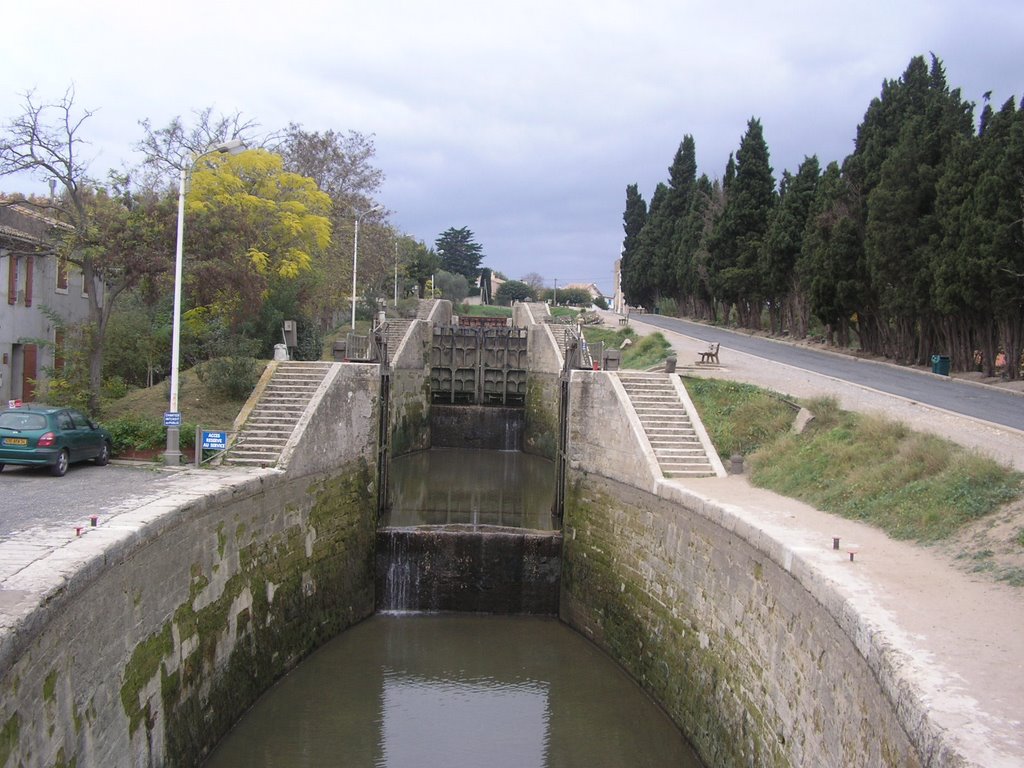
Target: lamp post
x,y
172,419
355,254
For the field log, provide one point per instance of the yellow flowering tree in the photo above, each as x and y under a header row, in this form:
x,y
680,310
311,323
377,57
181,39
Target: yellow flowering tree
x,y
252,228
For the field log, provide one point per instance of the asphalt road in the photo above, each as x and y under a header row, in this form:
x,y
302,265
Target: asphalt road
x,y
33,499
986,403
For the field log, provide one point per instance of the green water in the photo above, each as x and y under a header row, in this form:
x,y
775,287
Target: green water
x,y
456,691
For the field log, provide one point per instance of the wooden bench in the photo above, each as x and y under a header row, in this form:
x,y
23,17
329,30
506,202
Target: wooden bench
x,y
624,320
711,355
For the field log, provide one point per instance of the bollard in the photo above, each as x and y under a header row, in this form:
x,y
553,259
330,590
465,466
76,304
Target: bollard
x,y
835,542
78,530
93,519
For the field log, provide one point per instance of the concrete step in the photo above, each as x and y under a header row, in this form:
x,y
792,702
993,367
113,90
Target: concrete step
x,y
273,420
667,425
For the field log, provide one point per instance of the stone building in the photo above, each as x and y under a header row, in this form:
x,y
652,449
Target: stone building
x,y
35,285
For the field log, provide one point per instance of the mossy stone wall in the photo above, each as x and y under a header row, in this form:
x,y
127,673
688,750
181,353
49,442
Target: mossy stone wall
x,y
179,632
753,669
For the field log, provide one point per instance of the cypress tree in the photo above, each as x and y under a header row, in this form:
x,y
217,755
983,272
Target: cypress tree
x,y
901,223
633,220
784,239
750,197
654,242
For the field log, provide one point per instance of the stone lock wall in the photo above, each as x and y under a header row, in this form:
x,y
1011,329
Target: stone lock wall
x,y
756,658
143,641
748,663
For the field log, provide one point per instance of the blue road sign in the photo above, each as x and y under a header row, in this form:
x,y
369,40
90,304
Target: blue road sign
x,y
215,441
172,419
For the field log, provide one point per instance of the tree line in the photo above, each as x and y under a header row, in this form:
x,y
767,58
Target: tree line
x,y
268,236
912,246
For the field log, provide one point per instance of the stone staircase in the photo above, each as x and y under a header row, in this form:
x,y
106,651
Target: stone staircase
x,y
668,427
396,332
273,419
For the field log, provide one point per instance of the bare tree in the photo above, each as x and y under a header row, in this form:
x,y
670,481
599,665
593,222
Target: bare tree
x,y
169,149
535,281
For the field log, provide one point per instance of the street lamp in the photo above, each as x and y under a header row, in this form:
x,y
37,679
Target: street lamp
x,y
355,255
172,419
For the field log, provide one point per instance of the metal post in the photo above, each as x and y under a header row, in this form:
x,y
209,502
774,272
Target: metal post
x,y
172,455
355,257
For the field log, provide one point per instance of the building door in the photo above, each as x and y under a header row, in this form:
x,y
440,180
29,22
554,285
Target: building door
x,y
24,372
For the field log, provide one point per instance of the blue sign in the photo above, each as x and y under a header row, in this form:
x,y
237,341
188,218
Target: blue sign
x,y
172,419
215,441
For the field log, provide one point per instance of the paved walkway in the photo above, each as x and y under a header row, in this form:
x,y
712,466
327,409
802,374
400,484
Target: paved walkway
x,y
962,635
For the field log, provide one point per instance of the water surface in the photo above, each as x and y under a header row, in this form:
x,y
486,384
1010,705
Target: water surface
x,y
453,486
456,691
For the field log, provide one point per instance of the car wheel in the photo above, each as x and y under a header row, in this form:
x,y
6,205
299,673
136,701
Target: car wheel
x,y
104,456
1,467
61,466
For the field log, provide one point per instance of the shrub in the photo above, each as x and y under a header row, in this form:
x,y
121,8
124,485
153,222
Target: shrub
x,y
232,378
114,388
144,433
667,306
136,433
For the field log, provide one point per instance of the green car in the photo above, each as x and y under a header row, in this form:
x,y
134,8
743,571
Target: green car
x,y
46,436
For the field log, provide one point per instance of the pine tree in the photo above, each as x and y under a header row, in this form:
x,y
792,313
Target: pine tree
x,y
459,252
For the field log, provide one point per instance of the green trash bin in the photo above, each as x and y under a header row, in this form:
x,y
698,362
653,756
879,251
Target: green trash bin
x,y
940,364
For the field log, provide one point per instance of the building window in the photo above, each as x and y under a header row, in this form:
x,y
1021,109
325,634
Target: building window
x,y
62,275
12,279
85,285
30,268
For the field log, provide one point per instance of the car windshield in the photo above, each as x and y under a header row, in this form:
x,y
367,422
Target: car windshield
x,y
20,421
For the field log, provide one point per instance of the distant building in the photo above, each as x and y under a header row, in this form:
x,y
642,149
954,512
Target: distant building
x,y
474,291
618,300
36,278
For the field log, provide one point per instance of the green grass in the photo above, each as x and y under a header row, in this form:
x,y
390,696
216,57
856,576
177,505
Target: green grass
x,y
196,401
564,311
912,485
643,351
739,418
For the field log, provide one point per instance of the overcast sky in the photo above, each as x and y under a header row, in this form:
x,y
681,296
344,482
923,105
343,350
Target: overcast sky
x,y
523,121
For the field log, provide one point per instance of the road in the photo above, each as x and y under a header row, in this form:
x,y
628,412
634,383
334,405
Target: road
x,y
34,500
986,403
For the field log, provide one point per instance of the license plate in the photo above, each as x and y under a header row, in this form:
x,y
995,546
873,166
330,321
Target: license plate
x,y
15,441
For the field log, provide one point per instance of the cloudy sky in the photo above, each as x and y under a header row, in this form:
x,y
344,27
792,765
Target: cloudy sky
x,y
523,121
